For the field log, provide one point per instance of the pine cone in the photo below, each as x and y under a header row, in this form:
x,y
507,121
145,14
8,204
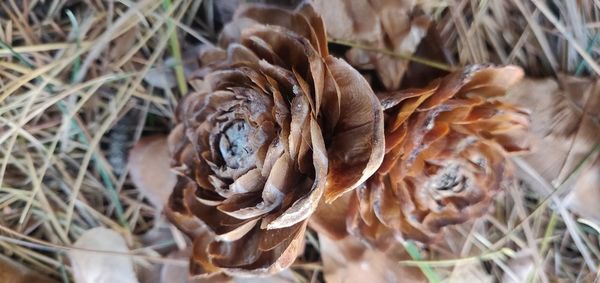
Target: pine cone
x,y
446,156
274,123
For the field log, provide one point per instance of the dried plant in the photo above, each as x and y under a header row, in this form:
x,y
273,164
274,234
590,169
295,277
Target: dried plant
x,y
273,124
82,81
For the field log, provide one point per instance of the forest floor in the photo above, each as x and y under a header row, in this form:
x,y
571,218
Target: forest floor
x,y
82,80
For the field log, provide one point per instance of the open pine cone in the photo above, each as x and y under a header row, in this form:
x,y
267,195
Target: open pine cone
x,y
274,123
446,156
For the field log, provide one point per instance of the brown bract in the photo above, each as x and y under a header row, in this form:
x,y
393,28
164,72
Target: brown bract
x,y
446,156
274,124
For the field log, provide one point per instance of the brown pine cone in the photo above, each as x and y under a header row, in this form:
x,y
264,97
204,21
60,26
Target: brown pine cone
x,y
274,124
446,156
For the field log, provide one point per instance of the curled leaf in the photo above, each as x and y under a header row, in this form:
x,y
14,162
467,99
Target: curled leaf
x,y
90,267
565,122
585,195
150,171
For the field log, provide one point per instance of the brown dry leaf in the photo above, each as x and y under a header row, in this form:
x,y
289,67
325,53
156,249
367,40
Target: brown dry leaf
x,y
350,20
123,43
469,272
431,47
15,272
349,261
149,168
90,267
566,123
585,196
383,24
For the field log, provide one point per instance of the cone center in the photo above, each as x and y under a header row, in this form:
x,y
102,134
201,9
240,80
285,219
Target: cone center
x,y
235,146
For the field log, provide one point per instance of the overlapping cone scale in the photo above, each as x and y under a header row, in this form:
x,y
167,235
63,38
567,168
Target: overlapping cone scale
x,y
446,156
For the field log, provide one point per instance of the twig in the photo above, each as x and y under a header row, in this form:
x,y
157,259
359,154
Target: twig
x,y
420,60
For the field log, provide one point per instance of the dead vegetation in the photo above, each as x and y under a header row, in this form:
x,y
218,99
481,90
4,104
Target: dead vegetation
x,y
82,81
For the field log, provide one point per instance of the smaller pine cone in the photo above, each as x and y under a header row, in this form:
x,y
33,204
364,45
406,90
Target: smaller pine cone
x,y
446,156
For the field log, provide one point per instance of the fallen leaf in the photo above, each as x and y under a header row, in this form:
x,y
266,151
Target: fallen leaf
x,y
90,267
122,44
15,272
564,121
585,196
566,127
386,25
149,168
469,272
418,75
350,20
349,261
